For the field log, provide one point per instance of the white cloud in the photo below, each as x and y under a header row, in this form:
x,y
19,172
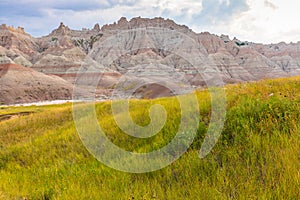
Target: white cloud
x,y
264,24
270,22
176,8
270,5
265,21
226,1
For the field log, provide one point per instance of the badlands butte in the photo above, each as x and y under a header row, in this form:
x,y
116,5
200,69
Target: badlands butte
x,y
144,58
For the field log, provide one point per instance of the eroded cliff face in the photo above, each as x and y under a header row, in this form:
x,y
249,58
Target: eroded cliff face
x,y
21,85
146,51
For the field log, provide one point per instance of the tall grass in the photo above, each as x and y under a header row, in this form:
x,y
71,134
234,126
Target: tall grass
x,y
257,156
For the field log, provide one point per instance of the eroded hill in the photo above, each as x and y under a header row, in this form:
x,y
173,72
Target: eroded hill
x,y
144,52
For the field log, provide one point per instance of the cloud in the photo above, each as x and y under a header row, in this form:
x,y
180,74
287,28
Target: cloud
x,y
216,11
178,8
270,5
262,24
36,7
252,20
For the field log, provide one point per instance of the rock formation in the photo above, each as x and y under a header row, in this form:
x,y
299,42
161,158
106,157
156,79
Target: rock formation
x,y
20,85
138,48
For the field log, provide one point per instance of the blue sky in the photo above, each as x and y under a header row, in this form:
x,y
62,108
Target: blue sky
x,y
267,21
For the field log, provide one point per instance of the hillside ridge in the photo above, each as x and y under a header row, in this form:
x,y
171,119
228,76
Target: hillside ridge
x,y
133,46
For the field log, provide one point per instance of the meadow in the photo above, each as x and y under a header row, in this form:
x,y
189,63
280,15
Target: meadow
x,y
256,157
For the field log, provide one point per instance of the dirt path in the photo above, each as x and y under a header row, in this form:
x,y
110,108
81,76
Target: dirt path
x,y
9,116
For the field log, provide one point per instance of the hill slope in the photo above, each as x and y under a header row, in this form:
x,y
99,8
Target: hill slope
x,y
257,155
20,84
129,46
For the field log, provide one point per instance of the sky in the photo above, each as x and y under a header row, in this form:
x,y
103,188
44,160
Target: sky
x,y
263,21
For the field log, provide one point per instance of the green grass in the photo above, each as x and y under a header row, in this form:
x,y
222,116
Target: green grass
x,y
257,156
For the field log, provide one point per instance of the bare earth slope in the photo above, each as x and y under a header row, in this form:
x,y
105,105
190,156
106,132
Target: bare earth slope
x,y
144,51
20,85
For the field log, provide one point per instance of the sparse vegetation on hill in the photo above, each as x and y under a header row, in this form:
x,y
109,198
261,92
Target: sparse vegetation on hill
x,y
257,156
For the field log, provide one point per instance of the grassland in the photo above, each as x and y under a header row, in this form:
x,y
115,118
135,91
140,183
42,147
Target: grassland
x,y
257,156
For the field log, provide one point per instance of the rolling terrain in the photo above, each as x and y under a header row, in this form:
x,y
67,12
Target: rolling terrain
x,y
144,52
20,85
149,61
257,156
